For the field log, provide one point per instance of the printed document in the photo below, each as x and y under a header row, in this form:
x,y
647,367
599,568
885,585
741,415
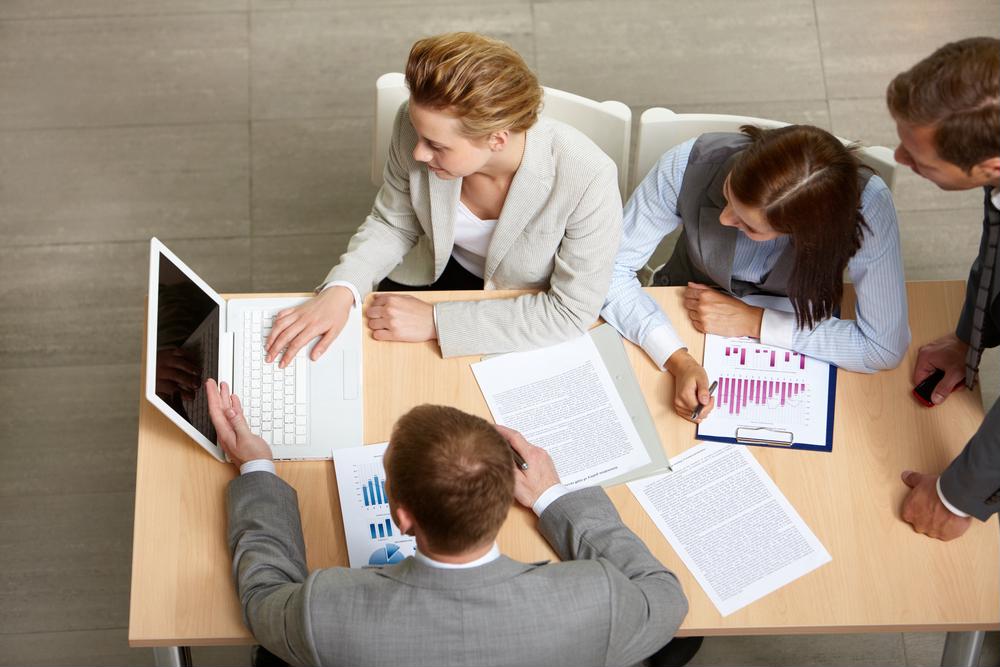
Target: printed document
x,y
766,392
373,539
562,398
730,524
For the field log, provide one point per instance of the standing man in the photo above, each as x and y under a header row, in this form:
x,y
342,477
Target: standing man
x,y
451,480
947,113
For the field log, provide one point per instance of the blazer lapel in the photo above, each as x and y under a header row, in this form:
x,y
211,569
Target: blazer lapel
x,y
527,194
444,196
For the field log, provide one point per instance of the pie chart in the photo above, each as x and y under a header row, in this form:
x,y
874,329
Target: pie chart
x,y
387,554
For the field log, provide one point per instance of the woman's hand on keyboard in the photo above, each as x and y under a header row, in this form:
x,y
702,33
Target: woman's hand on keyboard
x,y
239,444
322,316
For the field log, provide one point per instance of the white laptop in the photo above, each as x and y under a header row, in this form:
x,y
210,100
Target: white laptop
x,y
303,411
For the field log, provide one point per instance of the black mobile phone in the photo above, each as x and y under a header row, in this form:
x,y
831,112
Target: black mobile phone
x,y
923,391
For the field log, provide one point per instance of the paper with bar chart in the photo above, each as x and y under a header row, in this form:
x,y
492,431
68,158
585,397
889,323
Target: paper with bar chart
x,y
372,537
767,395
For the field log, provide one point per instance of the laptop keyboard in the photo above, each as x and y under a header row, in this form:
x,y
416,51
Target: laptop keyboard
x,y
275,399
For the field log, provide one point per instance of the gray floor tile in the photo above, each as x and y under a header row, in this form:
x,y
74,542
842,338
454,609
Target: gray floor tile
x,y
651,53
865,44
38,9
88,448
66,562
114,71
923,649
78,305
82,647
311,176
124,183
324,63
295,263
220,656
283,5
796,650
868,121
939,245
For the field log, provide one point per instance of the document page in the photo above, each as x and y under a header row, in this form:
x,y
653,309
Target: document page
x,y
373,539
730,524
562,398
766,392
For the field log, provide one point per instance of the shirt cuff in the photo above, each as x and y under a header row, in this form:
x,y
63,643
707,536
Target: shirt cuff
x,y
342,283
777,328
258,465
549,496
661,343
951,508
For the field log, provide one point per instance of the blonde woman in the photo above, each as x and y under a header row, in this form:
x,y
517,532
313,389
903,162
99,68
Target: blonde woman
x,y
479,193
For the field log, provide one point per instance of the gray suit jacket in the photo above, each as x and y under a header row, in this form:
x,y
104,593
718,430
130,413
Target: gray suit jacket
x,y
558,232
972,481
612,603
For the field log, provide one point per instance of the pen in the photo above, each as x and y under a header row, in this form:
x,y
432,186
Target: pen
x,y
697,410
518,460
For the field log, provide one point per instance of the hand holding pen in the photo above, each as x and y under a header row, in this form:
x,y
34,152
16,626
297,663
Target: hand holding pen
x,y
697,411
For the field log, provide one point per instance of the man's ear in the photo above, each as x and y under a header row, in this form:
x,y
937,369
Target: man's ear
x,y
404,520
498,140
988,170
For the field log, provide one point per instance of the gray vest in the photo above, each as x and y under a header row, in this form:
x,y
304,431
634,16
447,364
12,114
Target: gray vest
x,y
705,250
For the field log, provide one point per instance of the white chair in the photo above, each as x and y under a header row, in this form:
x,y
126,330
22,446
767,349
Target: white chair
x,y
608,124
661,129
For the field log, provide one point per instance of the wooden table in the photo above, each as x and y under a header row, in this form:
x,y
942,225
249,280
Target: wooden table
x,y
883,576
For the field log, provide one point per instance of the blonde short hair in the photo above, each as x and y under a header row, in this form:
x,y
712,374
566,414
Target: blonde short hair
x,y
482,81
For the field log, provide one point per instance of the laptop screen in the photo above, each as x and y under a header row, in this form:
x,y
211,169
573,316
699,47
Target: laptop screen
x,y
187,346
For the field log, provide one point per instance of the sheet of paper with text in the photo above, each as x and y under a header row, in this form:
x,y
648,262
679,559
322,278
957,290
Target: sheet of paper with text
x,y
562,398
730,524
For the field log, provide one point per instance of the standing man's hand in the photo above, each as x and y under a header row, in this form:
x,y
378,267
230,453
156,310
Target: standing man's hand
x,y
923,509
690,386
541,474
948,354
239,444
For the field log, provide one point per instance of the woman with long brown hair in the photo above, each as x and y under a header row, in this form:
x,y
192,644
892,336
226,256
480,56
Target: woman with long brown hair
x,y
480,192
779,212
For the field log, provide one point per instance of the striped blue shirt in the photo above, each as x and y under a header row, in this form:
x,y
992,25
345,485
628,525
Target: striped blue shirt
x,y
875,340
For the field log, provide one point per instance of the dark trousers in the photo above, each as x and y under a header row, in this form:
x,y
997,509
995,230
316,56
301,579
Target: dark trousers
x,y
454,277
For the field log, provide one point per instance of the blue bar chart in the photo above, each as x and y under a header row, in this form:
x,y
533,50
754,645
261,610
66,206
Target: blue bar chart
x,y
364,504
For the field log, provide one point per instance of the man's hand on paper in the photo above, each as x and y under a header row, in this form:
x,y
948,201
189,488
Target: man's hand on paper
x,y
948,354
713,312
239,444
323,315
690,386
541,474
923,509
401,317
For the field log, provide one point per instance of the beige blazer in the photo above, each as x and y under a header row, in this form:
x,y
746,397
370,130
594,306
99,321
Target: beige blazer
x,y
558,232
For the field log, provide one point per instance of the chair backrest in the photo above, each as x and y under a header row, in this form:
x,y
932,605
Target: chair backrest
x,y
661,129
608,124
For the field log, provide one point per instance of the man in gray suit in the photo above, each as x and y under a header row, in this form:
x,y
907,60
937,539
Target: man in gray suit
x,y
947,113
451,480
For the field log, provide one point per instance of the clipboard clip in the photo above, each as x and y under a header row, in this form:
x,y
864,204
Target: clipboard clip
x,y
759,435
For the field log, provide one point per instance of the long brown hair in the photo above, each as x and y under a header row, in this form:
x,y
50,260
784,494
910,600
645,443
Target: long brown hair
x,y
482,81
453,472
806,183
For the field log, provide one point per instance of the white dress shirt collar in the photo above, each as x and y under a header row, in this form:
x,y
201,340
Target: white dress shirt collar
x,y
488,557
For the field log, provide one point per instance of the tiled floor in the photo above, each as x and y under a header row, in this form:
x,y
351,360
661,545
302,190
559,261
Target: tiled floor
x,y
239,131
